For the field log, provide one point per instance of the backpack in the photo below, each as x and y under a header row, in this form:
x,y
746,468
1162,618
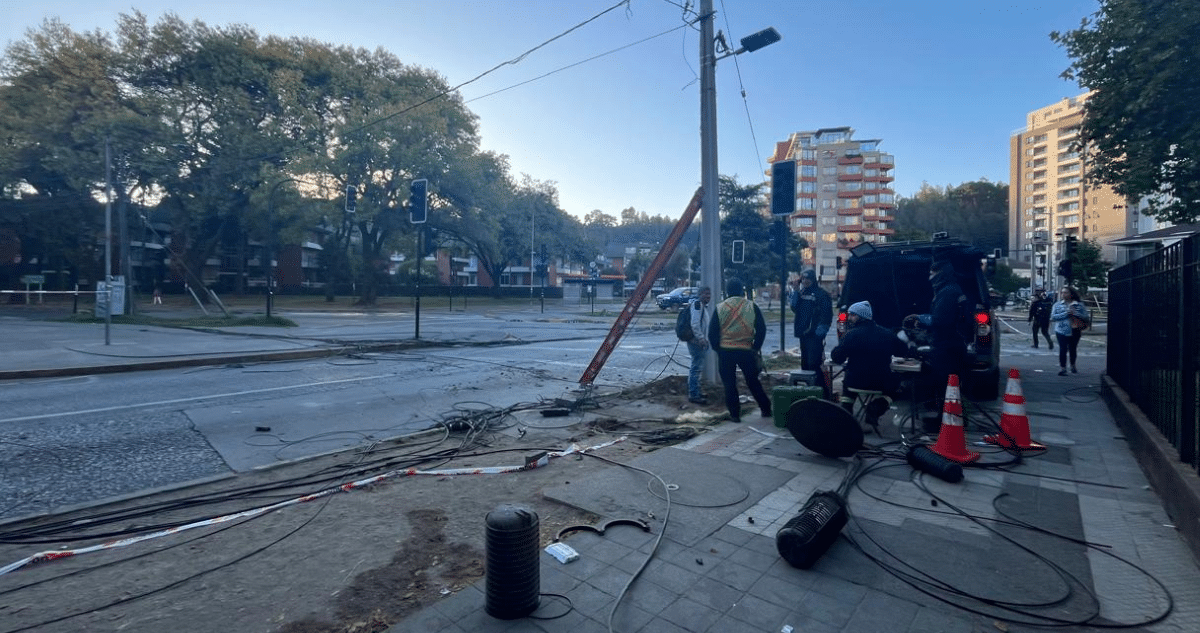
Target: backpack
x,y
683,325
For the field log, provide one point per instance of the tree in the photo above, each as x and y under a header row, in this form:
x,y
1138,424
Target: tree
x,y
1006,281
742,219
1141,126
975,212
1088,270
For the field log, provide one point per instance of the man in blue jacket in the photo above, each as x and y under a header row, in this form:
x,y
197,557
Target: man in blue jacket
x,y
814,314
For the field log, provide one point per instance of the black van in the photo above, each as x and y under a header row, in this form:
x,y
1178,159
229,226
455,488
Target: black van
x,y
894,277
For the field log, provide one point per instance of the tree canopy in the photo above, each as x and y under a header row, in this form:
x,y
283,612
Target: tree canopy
x,y
207,124
974,212
1141,124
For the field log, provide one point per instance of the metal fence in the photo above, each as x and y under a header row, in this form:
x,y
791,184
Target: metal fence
x,y
1154,309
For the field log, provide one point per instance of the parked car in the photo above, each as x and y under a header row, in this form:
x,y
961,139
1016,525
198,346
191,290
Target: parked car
x,y
677,298
894,277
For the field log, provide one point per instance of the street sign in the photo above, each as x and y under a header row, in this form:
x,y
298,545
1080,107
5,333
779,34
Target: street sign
x,y
33,279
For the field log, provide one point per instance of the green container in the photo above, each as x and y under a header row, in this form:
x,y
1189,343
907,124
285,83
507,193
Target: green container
x,y
783,396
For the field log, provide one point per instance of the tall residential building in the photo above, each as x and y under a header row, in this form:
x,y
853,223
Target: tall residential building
x,y
844,194
1048,199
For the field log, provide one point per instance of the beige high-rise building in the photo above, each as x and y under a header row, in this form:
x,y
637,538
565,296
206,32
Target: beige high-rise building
x,y
1048,199
844,194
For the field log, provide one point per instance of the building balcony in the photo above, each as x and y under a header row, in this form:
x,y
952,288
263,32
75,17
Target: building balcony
x,y
879,178
850,228
850,194
879,231
854,211
806,213
850,160
878,205
849,177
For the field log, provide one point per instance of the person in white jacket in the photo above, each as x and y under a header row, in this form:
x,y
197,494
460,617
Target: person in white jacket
x,y
698,346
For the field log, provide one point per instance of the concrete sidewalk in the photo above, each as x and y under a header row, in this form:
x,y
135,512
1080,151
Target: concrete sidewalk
x,y
919,554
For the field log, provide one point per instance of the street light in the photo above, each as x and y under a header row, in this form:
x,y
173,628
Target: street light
x,y
710,221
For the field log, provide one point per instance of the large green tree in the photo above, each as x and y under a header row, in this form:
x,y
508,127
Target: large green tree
x,y
974,212
1141,126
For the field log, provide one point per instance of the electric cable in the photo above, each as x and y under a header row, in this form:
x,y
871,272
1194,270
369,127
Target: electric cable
x,y
1035,619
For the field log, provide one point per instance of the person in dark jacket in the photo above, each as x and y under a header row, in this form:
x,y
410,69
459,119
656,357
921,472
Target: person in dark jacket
x,y
736,333
948,350
867,350
814,314
1039,316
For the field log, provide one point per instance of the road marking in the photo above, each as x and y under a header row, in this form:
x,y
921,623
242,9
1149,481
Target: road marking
x,y
216,396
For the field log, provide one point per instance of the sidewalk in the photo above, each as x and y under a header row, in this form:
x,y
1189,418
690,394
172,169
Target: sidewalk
x,y
710,559
717,567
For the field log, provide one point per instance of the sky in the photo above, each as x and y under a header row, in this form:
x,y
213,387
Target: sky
x,y
610,112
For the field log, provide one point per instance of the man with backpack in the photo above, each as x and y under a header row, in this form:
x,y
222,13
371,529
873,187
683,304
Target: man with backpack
x,y
691,326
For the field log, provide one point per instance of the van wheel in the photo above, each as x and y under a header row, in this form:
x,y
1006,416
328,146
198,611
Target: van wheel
x,y
986,385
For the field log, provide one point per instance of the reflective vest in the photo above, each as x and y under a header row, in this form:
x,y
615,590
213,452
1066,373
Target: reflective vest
x,y
736,315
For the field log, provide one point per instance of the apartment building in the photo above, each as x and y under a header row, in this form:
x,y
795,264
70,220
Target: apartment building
x,y
844,194
1048,197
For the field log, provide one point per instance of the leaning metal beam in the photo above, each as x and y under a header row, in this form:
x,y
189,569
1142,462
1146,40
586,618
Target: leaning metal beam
x,y
643,287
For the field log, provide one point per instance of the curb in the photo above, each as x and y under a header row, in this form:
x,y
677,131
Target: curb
x,y
1175,482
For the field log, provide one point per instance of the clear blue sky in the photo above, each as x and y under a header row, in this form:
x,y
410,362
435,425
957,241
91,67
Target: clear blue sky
x,y
943,83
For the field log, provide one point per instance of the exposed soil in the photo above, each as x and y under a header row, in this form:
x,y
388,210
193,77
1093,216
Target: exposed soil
x,y
356,562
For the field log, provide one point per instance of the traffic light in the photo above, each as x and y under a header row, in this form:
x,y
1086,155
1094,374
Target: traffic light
x,y
838,263
351,195
989,266
418,200
739,251
1072,243
783,187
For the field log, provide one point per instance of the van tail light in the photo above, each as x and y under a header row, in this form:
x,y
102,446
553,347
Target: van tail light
x,y
983,330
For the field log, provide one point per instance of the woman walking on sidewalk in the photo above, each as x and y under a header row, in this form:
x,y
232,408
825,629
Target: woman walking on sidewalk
x,y
1070,318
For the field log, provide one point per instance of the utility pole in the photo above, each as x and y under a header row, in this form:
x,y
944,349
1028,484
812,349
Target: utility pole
x,y
710,219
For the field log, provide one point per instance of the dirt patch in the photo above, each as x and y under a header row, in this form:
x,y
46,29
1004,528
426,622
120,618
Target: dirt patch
x,y
354,562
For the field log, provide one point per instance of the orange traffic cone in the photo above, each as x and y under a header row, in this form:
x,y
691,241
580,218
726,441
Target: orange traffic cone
x,y
952,441
1014,424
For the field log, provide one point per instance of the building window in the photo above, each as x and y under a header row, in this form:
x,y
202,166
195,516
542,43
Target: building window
x,y
829,187
808,186
851,186
807,203
829,171
1068,206
867,146
853,169
808,154
1066,169
808,171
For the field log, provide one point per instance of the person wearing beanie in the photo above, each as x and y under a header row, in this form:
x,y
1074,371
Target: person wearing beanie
x,y
866,351
813,310
737,332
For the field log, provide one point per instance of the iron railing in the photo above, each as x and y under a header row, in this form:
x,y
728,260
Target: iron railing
x,y
1154,310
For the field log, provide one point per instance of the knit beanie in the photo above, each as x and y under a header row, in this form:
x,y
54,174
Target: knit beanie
x,y
862,309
